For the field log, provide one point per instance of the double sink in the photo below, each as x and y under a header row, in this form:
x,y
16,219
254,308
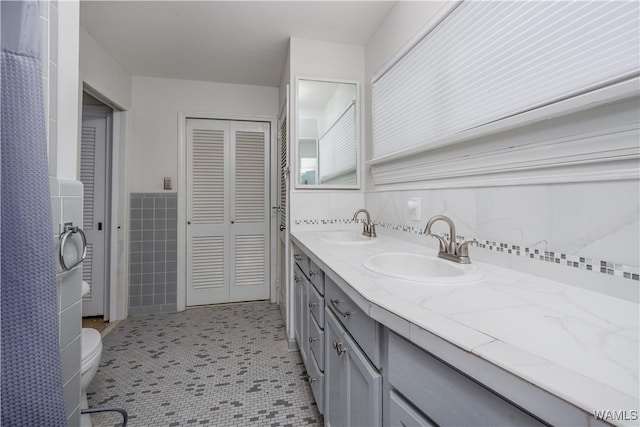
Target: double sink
x,y
412,267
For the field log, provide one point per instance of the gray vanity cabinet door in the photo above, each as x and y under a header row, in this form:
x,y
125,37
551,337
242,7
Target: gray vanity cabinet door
x,y
300,311
353,386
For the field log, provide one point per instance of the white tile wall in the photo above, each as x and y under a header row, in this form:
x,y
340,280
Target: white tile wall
x,y
66,206
321,205
598,220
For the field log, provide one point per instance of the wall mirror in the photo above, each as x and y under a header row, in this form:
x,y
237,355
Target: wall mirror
x,y
328,134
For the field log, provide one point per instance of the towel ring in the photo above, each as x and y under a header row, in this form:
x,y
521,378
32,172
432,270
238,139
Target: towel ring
x,y
70,229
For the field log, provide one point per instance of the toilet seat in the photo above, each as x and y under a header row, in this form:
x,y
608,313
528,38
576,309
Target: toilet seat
x,y
91,346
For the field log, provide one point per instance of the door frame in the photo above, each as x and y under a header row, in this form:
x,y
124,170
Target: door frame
x,y
182,196
116,288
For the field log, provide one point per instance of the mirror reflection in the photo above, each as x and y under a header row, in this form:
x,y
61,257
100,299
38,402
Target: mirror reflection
x,y
327,133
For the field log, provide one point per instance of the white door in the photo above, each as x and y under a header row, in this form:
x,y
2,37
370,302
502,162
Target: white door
x,y
227,211
93,175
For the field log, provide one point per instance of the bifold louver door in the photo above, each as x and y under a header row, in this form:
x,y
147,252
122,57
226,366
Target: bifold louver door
x,y
227,228
249,211
207,212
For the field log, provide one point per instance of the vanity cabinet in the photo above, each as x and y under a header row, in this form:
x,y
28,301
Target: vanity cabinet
x,y
353,384
440,395
309,321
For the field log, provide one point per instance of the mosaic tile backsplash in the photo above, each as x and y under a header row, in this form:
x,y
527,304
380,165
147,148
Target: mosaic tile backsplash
x,y
153,253
570,261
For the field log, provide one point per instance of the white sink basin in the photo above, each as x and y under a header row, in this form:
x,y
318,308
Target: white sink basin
x,y
346,237
423,269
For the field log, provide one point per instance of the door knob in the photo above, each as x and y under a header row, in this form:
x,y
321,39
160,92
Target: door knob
x,y
282,227
188,222
233,221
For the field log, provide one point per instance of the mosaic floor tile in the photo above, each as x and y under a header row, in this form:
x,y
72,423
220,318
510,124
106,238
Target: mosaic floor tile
x,y
225,365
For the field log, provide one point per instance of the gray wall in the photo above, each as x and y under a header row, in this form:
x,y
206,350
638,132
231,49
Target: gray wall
x,y
153,257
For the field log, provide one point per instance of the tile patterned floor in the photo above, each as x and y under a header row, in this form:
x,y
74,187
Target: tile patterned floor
x,y
220,366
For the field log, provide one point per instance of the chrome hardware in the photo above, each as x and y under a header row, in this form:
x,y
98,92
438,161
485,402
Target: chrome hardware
x,y
368,228
70,229
311,304
312,339
450,251
282,228
297,257
337,346
334,303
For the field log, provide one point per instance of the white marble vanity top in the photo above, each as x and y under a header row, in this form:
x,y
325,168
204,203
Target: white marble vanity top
x,y
576,344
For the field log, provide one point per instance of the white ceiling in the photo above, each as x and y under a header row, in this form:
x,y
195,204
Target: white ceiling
x,y
241,42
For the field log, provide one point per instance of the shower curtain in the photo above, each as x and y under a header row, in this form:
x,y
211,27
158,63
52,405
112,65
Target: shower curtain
x,y
30,353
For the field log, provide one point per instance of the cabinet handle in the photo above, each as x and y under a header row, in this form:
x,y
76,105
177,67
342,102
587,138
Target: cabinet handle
x,y
337,346
311,273
297,257
311,379
334,303
312,339
311,304
296,279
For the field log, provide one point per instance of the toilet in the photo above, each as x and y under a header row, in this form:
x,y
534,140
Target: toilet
x,y
91,344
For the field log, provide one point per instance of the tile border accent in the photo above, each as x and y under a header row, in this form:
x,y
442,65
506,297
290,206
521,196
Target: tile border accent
x,y
573,261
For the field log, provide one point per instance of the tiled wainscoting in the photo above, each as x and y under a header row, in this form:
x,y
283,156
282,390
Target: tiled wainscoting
x,y
153,256
66,206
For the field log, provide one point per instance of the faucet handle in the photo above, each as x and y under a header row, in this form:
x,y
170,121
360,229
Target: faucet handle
x,y
444,247
463,248
372,230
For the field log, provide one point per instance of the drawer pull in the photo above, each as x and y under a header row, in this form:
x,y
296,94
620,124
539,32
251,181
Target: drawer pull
x,y
297,257
312,339
334,303
338,347
311,304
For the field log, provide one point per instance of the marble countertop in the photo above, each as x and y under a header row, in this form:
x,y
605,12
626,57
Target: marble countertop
x,y
578,345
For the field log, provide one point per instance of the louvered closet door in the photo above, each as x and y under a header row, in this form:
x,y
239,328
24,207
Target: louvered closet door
x,y
93,177
282,213
249,236
207,212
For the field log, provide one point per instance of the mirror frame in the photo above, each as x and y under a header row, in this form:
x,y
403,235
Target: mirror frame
x,y
296,160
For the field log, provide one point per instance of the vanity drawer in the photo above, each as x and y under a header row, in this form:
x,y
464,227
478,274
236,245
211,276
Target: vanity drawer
x,y
446,396
316,342
365,331
301,259
316,275
316,305
316,380
402,413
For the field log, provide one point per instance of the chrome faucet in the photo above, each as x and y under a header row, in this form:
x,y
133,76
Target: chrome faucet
x,y
450,251
369,229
